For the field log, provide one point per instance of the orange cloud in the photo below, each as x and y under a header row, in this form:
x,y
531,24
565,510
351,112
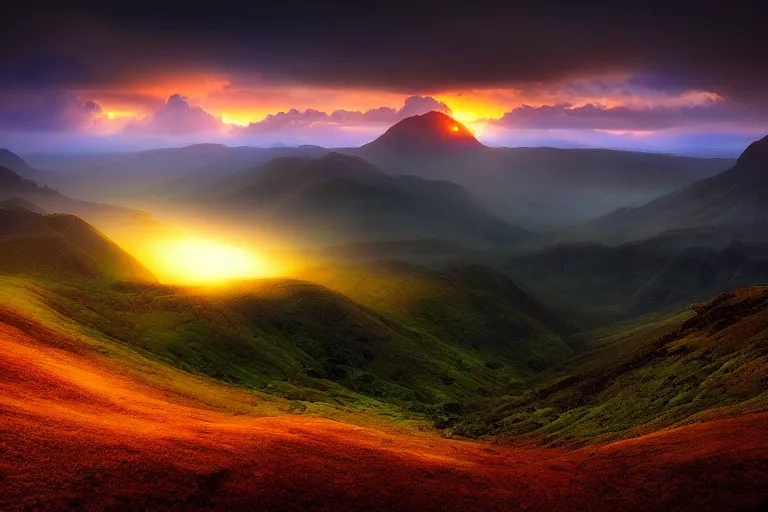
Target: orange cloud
x,y
246,100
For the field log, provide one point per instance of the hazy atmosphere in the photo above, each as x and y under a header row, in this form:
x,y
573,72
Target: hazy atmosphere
x,y
494,256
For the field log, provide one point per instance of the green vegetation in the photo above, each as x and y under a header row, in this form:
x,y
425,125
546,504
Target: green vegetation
x,y
466,348
636,379
303,342
594,285
61,247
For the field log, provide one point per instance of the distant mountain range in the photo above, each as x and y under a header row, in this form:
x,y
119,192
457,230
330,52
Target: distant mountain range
x,y
123,223
537,188
735,196
342,199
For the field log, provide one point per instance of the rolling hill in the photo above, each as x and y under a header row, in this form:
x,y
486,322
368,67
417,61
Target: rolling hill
x,y
122,411
131,228
118,391
340,199
696,366
61,247
303,341
294,338
102,427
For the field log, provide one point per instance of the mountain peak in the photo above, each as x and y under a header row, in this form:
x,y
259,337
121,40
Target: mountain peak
x,y
9,179
756,155
430,131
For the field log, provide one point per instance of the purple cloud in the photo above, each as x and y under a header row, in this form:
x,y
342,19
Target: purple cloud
x,y
288,120
46,112
597,117
176,117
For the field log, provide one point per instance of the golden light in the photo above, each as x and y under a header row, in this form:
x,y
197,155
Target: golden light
x,y
455,128
477,129
464,117
237,120
203,261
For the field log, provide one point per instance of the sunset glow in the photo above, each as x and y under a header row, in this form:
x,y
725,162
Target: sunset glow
x,y
201,261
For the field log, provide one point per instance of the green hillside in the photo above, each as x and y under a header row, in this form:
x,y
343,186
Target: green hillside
x,y
705,363
61,247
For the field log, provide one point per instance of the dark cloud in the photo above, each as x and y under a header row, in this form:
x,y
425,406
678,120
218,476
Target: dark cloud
x,y
421,47
288,120
176,117
47,111
597,117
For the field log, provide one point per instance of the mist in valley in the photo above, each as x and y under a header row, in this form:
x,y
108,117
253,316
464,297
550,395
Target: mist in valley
x,y
513,257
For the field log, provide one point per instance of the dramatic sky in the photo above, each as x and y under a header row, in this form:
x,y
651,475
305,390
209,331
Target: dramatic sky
x,y
645,75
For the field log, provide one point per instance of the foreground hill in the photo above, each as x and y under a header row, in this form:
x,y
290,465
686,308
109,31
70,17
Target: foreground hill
x,y
737,195
342,199
61,247
101,426
306,342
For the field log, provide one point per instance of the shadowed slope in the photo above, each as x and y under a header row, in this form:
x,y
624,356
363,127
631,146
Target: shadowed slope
x,y
739,194
130,227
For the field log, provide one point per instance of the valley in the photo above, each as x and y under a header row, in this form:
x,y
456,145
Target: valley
x,y
319,332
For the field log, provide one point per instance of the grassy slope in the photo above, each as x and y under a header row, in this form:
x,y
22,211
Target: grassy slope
x,y
306,343
475,306
99,427
62,247
694,366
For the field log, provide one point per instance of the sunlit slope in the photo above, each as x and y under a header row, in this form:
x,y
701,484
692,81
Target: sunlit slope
x,y
303,341
458,340
700,365
88,426
195,261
